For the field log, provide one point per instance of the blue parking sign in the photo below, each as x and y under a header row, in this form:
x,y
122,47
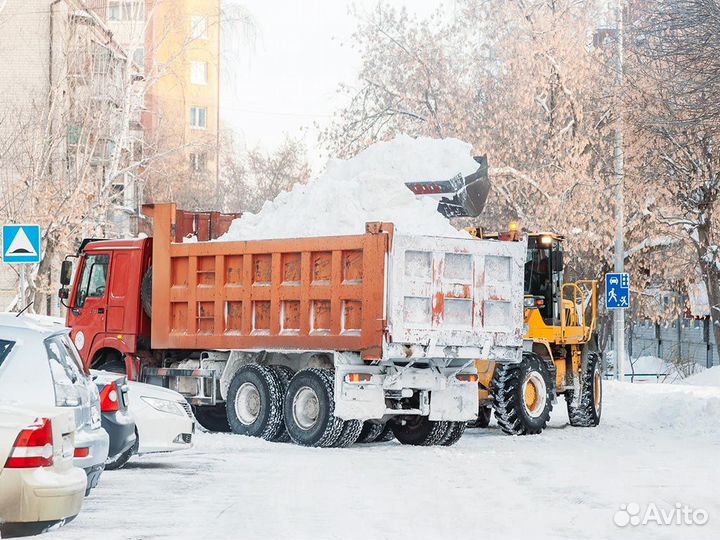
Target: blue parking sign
x,y
617,290
21,244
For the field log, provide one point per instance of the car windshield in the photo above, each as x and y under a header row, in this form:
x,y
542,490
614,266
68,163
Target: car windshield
x,y
5,347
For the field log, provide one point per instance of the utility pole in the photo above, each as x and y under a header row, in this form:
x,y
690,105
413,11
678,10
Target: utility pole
x,y
619,314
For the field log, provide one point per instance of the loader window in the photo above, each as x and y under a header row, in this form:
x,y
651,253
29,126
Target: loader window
x,y
94,278
538,276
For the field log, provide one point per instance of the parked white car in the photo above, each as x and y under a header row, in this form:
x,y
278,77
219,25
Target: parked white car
x,y
39,485
40,367
163,418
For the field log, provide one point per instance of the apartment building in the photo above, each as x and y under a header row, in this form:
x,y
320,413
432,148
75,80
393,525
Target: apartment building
x,y
178,45
69,132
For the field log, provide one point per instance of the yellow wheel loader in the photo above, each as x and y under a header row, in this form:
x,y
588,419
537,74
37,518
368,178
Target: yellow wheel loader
x,y
560,356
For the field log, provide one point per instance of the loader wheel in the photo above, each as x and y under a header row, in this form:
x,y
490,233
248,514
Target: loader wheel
x,y
309,408
418,430
212,418
146,292
523,395
370,432
587,412
453,434
254,402
483,419
284,375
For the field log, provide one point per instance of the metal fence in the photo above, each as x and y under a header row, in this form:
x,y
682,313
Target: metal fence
x,y
684,339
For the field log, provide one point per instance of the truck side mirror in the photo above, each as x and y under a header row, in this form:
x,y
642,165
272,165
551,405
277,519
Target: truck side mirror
x,y
558,262
63,293
66,272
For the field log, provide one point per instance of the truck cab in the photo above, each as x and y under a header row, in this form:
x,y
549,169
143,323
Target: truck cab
x,y
104,307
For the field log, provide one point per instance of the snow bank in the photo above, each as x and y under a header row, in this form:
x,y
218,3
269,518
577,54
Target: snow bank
x,y
368,187
707,377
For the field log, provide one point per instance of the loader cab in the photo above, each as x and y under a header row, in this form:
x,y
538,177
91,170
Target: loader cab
x,y
544,275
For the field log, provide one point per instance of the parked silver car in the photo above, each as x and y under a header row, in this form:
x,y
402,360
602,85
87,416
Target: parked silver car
x,y
41,366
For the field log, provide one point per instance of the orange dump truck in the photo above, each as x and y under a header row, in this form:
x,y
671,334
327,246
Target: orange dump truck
x,y
322,340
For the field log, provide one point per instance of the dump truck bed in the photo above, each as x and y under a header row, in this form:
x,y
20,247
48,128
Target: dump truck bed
x,y
377,294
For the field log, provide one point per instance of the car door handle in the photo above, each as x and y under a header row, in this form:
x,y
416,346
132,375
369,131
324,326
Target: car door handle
x,y
75,311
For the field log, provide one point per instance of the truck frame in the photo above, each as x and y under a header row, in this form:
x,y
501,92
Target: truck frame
x,y
321,340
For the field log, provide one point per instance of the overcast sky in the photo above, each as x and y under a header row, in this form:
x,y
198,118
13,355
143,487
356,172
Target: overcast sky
x,y
286,78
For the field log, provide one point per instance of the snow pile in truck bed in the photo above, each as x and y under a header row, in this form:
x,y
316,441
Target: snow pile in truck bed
x,y
368,187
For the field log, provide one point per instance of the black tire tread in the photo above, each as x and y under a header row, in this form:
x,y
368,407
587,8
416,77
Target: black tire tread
x,y
454,433
370,432
334,425
273,424
284,375
584,415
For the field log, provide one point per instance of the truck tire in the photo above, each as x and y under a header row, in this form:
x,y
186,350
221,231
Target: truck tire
x,y
483,419
146,292
309,408
254,402
370,432
587,413
418,430
523,395
386,435
212,417
453,434
284,375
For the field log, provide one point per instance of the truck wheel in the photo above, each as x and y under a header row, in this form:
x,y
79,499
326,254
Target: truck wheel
x,y
146,292
370,432
587,413
418,430
386,435
453,434
523,395
310,408
254,402
483,419
284,375
212,418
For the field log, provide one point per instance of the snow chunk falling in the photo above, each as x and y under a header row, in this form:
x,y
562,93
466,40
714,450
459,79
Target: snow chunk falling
x,y
368,187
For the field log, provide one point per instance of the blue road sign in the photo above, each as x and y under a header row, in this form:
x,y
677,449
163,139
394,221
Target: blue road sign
x,y
21,244
617,291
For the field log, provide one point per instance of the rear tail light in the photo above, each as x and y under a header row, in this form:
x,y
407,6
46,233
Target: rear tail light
x,y
358,377
33,447
110,398
81,452
467,377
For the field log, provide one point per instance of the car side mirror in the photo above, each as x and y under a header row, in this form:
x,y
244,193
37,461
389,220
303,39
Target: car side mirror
x,y
558,262
66,272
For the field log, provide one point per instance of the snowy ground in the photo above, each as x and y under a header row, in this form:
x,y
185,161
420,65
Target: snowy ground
x,y
657,444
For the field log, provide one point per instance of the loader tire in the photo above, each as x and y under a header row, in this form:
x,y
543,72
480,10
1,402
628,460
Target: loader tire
x,y
212,418
349,434
483,419
418,430
523,395
284,375
587,412
309,408
370,432
453,433
254,402
146,292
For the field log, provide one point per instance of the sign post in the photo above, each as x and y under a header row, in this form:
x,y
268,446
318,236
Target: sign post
x,y
617,297
21,245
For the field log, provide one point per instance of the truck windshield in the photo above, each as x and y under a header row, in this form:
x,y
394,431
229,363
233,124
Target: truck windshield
x,y
94,278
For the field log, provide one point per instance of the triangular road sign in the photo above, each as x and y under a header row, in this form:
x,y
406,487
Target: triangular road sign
x,y
20,245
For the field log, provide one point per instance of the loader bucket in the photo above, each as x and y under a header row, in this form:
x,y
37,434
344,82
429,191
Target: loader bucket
x,y
465,196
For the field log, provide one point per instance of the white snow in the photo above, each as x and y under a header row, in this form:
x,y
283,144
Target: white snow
x,y
368,187
707,377
656,444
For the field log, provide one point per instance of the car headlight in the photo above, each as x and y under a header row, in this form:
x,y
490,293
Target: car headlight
x,y
164,405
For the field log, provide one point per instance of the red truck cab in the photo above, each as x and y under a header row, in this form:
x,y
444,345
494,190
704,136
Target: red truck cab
x,y
105,313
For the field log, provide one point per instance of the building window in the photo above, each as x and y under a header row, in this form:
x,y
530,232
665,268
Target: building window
x,y
198,117
198,72
199,27
198,162
139,57
113,11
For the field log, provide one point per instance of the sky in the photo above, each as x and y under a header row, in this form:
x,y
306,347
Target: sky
x,y
284,79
